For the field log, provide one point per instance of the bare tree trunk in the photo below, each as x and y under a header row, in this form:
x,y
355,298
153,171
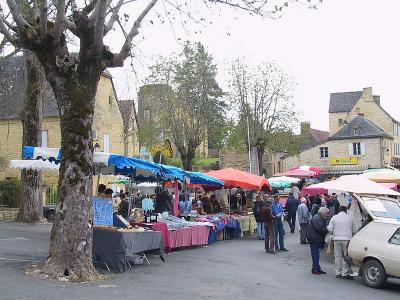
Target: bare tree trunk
x,y
260,154
70,251
31,206
188,158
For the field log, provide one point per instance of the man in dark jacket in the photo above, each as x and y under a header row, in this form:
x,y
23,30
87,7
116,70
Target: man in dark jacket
x,y
268,220
317,230
258,205
291,207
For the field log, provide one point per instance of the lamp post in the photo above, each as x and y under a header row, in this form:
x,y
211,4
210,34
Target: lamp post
x,y
96,147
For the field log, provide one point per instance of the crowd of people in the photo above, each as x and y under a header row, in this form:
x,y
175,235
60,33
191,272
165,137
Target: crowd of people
x,y
317,217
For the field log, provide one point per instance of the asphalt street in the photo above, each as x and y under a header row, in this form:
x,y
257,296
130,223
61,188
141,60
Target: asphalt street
x,y
236,269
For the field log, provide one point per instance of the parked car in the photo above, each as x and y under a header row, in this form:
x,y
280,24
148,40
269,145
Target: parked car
x,y
49,211
376,247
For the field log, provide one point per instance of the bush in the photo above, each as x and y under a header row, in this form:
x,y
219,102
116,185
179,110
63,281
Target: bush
x,y
9,192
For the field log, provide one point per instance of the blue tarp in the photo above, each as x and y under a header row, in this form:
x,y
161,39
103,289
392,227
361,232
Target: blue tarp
x,y
200,178
173,173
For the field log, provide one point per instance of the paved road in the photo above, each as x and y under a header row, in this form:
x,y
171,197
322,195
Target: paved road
x,y
237,269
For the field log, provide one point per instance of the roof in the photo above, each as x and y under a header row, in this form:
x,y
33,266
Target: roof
x,y
366,129
312,138
13,87
343,102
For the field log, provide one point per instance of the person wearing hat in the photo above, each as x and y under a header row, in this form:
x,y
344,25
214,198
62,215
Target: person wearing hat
x,y
268,220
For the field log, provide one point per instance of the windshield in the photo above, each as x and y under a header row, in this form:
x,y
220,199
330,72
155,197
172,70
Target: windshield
x,y
383,208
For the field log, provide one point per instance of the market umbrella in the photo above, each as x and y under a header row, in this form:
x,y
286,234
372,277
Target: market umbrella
x,y
297,173
235,178
284,179
385,176
355,184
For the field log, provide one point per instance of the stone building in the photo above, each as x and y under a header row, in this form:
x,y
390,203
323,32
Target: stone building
x,y
362,135
108,129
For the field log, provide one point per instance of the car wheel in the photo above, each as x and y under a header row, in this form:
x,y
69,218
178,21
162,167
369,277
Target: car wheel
x,y
51,215
374,274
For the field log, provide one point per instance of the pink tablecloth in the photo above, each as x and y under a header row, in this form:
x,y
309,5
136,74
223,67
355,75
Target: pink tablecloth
x,y
186,237
163,228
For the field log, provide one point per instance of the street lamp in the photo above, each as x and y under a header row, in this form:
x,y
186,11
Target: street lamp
x,y
97,147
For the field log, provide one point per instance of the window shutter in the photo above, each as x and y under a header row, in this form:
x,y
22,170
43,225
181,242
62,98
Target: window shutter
x,y
362,148
106,143
351,149
44,139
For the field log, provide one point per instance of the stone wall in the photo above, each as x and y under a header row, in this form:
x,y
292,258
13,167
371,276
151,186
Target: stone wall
x,y
8,215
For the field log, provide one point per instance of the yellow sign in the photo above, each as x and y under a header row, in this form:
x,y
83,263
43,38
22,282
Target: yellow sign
x,y
344,161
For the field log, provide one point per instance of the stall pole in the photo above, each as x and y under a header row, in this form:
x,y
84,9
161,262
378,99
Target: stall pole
x,y
98,182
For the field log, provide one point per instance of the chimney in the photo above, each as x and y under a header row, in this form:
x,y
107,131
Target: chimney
x,y
367,93
305,128
377,99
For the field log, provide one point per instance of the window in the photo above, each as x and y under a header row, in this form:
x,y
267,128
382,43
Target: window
x,y
396,148
323,152
382,208
395,239
356,130
396,129
356,149
146,114
44,139
340,121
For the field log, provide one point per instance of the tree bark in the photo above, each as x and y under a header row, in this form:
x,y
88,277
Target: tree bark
x,y
260,154
31,202
188,158
70,253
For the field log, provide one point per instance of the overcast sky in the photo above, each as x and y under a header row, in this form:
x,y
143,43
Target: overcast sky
x,y
344,45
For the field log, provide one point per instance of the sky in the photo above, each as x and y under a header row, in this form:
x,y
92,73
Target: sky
x,y
343,45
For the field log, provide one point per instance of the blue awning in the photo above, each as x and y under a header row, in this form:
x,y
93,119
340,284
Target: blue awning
x,y
203,179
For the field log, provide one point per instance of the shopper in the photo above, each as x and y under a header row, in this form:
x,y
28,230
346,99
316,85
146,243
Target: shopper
x,y
304,217
317,230
333,205
291,207
316,205
341,227
295,191
258,205
100,190
215,206
277,213
268,220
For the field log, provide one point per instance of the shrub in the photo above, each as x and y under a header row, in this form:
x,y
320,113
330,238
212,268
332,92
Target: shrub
x,y
9,192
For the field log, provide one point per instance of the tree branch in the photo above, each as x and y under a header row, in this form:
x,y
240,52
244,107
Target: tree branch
x,y
99,16
17,16
118,59
7,34
90,7
114,17
43,17
60,19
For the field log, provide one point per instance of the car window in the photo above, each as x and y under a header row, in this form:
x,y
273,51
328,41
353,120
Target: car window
x,y
383,208
395,239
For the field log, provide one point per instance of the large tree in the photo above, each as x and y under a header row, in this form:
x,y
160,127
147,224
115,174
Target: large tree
x,y
266,114
193,104
74,78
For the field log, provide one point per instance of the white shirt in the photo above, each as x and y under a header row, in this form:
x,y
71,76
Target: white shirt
x,y
296,192
341,226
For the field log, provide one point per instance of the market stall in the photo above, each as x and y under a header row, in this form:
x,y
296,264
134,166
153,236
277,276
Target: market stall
x,y
383,175
302,172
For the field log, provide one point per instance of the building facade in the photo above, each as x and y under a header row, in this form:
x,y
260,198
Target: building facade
x,y
362,135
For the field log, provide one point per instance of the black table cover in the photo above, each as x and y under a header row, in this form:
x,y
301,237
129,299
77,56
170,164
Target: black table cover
x,y
114,246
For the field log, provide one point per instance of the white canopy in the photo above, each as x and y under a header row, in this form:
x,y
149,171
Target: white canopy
x,y
385,176
284,179
40,165
356,184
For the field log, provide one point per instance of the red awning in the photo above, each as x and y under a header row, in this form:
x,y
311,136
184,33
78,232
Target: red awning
x,y
239,179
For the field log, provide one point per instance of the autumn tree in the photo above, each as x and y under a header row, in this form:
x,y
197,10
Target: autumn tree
x,y
262,96
73,78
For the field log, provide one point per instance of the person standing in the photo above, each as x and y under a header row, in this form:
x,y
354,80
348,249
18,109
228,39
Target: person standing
x,y
303,216
258,205
268,220
341,226
333,205
295,191
277,212
291,207
317,230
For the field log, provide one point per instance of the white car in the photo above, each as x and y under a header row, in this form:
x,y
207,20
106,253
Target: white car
x,y
376,247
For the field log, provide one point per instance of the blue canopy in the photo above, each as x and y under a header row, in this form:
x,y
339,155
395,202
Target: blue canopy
x,y
203,179
173,173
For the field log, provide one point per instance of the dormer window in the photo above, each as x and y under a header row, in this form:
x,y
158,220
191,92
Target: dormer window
x,y
340,121
356,130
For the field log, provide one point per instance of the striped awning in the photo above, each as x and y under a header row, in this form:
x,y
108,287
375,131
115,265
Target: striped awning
x,y
342,170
